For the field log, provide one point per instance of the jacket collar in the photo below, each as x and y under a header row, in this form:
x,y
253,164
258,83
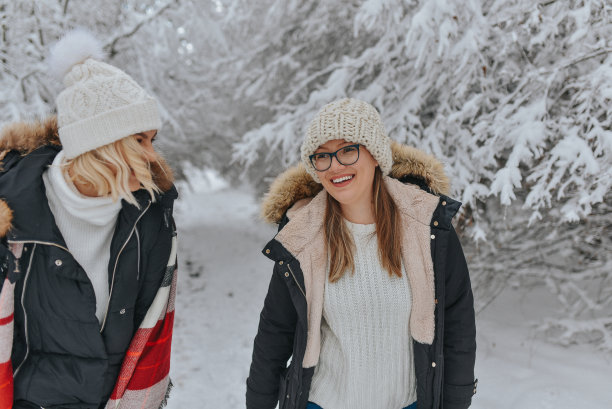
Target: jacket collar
x,y
26,192
38,142
295,196
303,238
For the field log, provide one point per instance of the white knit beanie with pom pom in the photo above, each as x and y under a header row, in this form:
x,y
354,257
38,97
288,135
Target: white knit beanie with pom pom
x,y
100,104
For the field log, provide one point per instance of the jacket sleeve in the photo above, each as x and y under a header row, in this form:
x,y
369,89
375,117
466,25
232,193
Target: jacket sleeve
x,y
273,345
8,159
459,330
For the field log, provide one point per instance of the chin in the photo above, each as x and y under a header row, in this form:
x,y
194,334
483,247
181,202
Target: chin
x,y
345,198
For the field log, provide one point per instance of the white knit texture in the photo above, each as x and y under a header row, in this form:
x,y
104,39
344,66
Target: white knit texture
x,y
100,105
366,358
354,121
87,225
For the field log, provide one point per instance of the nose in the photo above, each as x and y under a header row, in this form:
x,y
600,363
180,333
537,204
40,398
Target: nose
x,y
149,150
335,164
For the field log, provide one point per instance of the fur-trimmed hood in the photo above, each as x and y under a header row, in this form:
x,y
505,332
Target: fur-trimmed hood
x,y
296,184
28,136
25,137
413,178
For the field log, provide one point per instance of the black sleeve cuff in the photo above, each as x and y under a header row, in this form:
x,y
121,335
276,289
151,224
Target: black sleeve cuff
x,y
459,396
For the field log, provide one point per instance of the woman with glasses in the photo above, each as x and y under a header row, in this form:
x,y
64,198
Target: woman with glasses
x,y
370,295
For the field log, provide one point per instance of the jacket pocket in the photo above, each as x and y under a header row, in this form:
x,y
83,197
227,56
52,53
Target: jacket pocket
x,y
459,396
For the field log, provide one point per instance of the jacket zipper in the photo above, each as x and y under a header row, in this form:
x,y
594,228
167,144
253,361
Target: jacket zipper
x,y
110,295
296,281
46,243
138,269
438,351
25,315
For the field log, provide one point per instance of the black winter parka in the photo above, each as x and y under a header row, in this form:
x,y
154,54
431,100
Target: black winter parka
x,y
62,357
444,369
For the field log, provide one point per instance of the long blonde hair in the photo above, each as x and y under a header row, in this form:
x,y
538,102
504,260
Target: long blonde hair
x,y
340,242
108,168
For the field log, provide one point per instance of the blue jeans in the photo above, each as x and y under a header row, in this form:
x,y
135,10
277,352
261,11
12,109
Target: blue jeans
x,y
315,406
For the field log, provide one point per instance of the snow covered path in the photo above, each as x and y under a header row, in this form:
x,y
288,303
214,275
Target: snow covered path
x,y
223,279
518,370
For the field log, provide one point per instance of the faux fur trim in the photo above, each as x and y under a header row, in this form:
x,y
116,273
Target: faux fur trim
x,y
25,137
409,161
304,237
6,218
296,184
417,207
289,187
28,136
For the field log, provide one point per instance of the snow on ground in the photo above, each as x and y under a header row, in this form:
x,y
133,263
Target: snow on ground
x,y
516,369
223,278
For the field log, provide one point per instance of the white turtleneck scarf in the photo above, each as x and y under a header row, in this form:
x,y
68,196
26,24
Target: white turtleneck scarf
x,y
366,349
87,225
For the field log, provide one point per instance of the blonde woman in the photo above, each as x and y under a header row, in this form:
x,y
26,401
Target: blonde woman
x,y
370,295
86,307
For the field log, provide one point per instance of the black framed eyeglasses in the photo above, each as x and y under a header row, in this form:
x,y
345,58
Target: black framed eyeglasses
x,y
347,155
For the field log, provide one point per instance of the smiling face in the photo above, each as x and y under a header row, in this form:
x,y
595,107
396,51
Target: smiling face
x,y
350,185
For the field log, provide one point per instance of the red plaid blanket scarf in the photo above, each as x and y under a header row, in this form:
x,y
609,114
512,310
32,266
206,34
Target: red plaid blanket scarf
x,y
143,381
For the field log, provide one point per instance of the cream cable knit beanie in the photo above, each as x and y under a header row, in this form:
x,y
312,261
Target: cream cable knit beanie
x,y
354,121
100,104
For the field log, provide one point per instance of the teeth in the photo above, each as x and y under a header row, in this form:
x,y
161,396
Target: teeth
x,y
342,179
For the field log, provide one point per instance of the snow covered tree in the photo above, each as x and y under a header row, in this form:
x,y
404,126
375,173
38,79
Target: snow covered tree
x,y
169,46
512,95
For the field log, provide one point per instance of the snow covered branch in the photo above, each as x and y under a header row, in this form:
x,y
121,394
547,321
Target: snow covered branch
x,y
130,32
512,95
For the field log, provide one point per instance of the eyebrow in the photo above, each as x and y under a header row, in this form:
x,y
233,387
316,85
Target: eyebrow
x,y
144,136
342,145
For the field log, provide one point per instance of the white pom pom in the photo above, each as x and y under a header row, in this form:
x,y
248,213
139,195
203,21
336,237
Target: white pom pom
x,y
75,47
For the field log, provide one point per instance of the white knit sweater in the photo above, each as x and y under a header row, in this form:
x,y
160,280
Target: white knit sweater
x,y
87,225
366,356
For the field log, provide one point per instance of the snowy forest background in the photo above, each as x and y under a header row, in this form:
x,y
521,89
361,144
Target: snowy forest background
x,y
513,96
